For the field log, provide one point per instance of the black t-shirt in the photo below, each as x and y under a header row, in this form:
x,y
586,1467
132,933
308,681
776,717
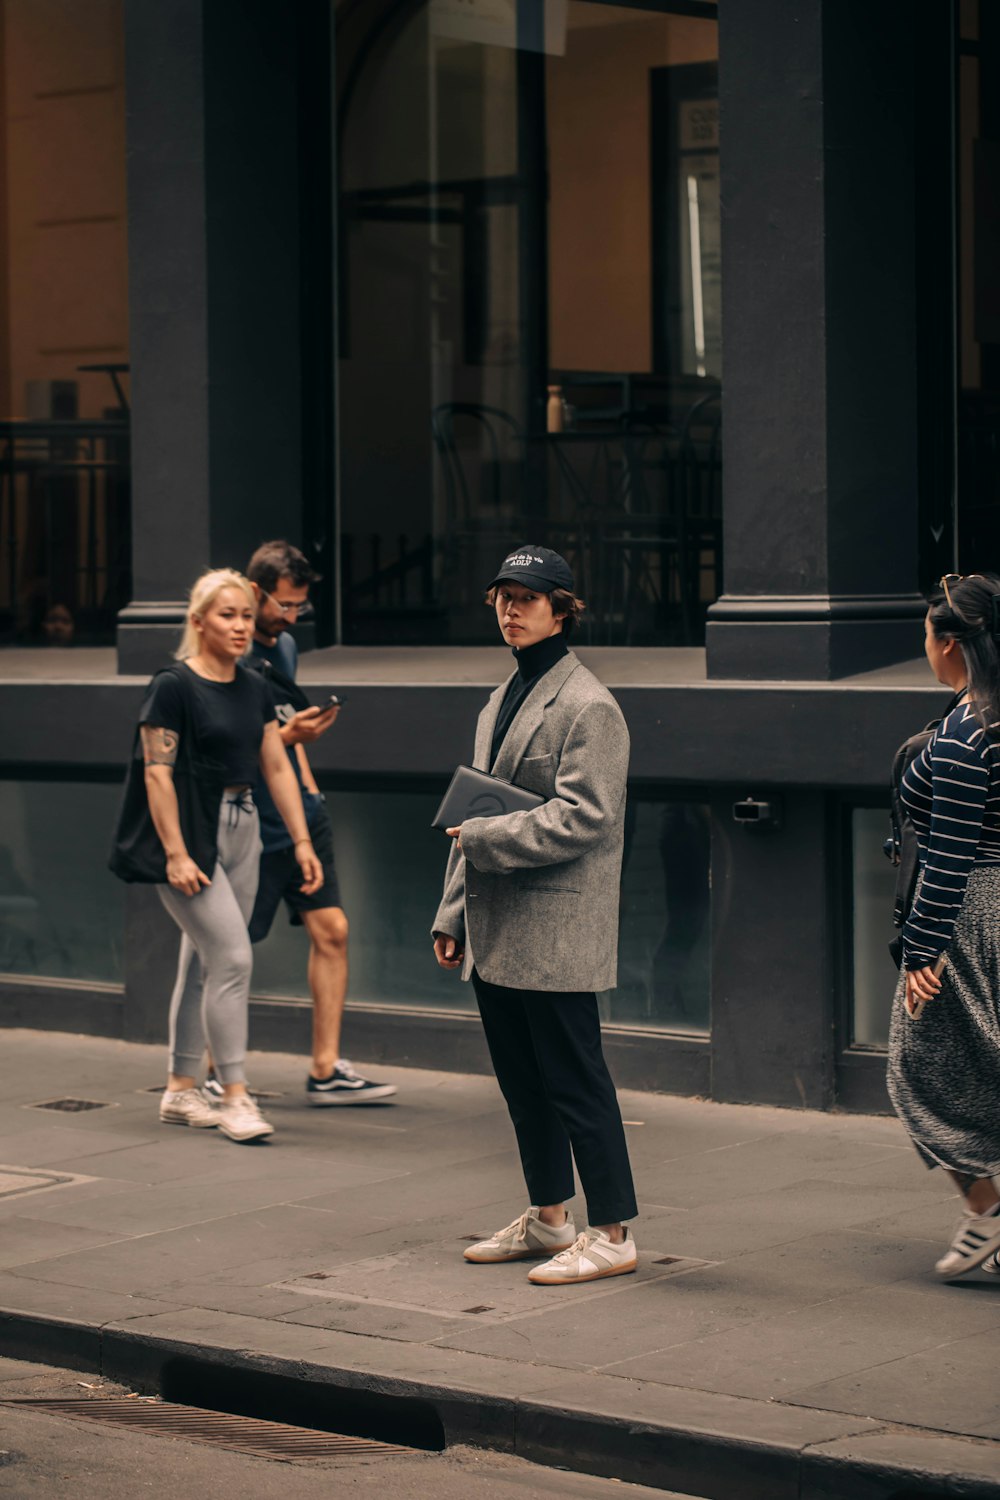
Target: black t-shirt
x,y
228,718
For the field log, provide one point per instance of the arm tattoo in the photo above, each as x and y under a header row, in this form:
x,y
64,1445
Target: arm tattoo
x,y
159,746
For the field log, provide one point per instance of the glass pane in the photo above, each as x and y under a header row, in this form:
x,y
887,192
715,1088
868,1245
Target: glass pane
x,y
665,937
874,886
62,913
978,311
634,318
432,369
390,865
530,334
64,433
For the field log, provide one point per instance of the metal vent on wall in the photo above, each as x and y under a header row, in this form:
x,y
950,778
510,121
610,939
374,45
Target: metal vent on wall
x,y
241,1434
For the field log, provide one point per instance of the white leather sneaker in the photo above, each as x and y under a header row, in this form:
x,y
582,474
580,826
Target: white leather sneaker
x,y
976,1238
526,1238
593,1254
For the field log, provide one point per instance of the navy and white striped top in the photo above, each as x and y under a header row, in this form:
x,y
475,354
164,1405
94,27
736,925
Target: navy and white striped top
x,y
951,793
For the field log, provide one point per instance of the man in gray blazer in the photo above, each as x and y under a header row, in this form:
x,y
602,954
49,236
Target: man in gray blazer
x,y
530,915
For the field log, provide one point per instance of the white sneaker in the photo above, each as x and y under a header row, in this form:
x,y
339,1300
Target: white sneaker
x,y
241,1120
187,1107
592,1255
976,1238
526,1238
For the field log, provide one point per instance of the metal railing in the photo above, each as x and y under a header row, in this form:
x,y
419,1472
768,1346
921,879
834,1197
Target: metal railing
x,y
65,527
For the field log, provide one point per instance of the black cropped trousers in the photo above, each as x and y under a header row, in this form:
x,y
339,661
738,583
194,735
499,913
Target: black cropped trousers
x,y
546,1052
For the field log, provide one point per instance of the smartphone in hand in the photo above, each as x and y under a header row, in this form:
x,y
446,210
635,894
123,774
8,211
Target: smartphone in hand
x,y
918,1005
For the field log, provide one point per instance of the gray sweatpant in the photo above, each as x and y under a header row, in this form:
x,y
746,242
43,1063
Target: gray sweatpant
x,y
211,996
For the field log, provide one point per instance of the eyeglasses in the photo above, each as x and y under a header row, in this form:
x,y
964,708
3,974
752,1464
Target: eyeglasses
x,y
944,581
303,611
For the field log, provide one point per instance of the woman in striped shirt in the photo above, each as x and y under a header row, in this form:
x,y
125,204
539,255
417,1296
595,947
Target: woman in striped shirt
x,y
944,1061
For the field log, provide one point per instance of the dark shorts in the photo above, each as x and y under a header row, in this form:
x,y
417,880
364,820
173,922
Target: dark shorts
x,y
281,878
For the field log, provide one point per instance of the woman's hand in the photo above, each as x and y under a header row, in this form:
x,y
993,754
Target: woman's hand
x,y
456,834
184,875
312,870
447,952
921,985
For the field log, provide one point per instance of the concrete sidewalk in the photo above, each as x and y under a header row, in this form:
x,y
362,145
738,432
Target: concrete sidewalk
x,y
784,1335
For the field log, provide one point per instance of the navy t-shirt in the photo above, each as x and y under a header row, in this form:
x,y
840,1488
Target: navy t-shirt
x,y
284,657
228,718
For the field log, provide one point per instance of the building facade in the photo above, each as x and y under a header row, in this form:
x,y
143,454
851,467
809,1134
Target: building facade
x,y
704,296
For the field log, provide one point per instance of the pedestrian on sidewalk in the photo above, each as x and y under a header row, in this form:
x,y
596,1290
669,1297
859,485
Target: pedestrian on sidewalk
x,y
280,576
208,728
530,914
944,1038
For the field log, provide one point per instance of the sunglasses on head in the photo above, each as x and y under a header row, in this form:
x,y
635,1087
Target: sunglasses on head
x,y
947,581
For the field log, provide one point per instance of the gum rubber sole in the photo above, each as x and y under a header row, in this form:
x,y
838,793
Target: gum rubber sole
x,y
501,1260
576,1280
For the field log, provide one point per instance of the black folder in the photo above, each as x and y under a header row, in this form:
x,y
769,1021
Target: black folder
x,y
475,794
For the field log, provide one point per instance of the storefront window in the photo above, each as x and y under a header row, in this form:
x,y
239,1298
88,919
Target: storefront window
x,y
64,430
665,937
390,864
977,221
873,886
62,913
529,317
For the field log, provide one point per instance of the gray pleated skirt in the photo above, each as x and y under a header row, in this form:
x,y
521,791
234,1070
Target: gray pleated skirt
x,y
944,1068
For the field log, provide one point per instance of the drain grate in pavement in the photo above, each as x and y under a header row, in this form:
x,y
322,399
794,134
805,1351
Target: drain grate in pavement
x,y
241,1434
73,1106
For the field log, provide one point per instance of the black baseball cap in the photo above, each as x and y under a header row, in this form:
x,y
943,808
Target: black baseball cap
x,y
536,568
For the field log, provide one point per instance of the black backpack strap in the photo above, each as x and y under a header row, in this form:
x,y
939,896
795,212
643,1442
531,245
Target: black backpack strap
x,y
283,688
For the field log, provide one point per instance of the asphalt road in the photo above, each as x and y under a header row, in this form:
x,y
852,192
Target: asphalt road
x,y
46,1457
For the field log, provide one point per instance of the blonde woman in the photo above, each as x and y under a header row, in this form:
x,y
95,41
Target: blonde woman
x,y
211,722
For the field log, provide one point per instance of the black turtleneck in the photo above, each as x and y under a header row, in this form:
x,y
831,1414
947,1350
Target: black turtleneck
x,y
532,663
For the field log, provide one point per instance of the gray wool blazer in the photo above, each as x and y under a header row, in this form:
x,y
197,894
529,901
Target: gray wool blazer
x,y
534,896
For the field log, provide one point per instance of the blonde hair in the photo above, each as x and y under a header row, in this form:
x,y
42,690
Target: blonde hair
x,y
204,592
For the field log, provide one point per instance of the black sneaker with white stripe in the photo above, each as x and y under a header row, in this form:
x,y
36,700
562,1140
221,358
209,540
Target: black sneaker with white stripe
x,y
346,1086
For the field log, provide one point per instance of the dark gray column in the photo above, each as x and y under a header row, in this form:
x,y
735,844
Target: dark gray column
x,y
214,297
773,956
818,110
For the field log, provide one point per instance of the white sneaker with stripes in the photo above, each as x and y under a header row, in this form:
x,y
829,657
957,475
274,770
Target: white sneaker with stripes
x,y
527,1238
976,1238
593,1254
